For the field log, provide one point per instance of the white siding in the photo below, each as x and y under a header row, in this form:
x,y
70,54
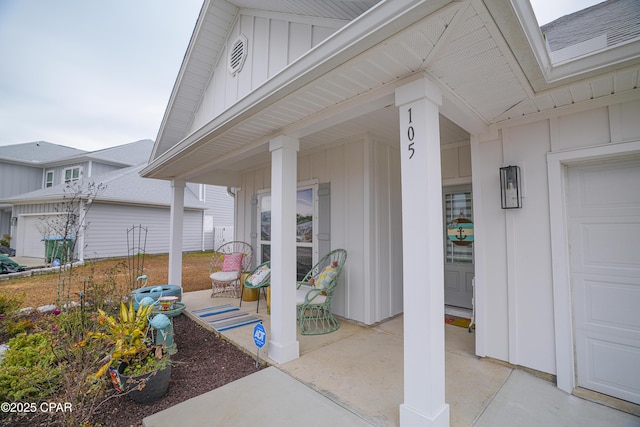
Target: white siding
x,y
365,220
219,205
106,234
456,163
516,255
35,209
274,41
218,218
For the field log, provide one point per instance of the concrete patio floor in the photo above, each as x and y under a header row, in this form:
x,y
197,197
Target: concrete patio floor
x,y
354,377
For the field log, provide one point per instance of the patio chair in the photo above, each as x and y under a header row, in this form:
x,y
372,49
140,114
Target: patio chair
x,y
227,264
315,292
260,279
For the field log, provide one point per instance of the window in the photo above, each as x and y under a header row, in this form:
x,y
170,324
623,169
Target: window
x,y
48,180
457,204
72,174
306,214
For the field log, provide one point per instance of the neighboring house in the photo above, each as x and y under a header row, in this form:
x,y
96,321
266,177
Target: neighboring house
x,y
21,171
393,119
35,177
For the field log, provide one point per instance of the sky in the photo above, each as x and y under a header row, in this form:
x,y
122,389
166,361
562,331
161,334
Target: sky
x,y
94,74
89,74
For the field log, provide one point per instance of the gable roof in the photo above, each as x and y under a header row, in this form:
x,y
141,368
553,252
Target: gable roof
x,y
46,154
207,44
130,154
37,153
124,186
491,68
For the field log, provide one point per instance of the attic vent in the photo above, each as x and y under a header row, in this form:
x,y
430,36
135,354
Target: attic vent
x,y
237,55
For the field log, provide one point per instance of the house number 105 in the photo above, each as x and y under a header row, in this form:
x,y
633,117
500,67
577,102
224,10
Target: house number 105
x,y
411,133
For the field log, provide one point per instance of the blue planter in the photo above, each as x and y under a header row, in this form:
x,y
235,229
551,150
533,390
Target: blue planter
x,y
155,292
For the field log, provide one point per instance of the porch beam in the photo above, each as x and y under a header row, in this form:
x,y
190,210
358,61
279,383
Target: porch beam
x,y
283,343
422,243
176,229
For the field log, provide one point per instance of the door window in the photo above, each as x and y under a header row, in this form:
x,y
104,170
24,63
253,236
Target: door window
x,y
457,205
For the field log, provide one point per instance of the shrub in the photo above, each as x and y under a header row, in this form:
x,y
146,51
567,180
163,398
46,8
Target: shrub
x,y
80,357
11,322
28,371
6,240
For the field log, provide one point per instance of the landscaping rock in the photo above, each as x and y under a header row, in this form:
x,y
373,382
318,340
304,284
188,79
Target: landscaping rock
x,y
47,308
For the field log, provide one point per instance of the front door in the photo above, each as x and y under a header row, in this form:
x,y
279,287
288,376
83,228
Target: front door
x,y
458,251
604,230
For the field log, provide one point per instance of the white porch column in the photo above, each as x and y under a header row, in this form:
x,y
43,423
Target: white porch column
x,y
176,226
283,343
423,265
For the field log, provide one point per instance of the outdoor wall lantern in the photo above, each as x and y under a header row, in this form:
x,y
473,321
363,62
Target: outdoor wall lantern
x,y
511,187
14,221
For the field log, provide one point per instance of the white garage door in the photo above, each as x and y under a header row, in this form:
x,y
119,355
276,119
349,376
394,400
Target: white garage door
x,y
30,235
604,233
31,244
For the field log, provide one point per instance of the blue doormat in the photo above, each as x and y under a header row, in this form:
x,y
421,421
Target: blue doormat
x,y
225,317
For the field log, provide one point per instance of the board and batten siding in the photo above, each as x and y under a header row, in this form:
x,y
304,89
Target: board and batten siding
x,y
106,234
456,163
364,179
18,179
35,209
274,40
514,264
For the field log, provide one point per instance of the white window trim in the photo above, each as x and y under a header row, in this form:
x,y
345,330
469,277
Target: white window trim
x,y
53,178
64,174
313,185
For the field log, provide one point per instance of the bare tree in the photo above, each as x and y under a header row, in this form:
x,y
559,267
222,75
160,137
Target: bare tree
x,y
63,230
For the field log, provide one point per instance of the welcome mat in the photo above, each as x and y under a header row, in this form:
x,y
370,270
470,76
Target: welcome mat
x,y
457,321
225,317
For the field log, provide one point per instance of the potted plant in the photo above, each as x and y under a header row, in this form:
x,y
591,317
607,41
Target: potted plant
x,y
136,365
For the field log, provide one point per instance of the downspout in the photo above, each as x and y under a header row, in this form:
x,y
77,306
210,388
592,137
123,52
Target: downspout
x,y
79,243
201,193
202,234
233,192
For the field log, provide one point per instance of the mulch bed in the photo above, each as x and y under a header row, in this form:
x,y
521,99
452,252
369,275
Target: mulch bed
x,y
203,362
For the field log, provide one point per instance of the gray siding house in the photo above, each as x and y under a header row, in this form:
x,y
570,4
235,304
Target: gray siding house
x,y
34,189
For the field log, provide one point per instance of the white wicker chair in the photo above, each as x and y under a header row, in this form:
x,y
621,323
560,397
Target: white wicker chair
x,y
227,283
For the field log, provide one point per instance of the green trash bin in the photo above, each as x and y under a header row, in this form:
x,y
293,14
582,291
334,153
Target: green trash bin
x,y
54,248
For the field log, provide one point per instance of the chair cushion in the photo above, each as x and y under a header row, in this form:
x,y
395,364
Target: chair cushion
x,y
303,290
232,262
259,275
225,276
325,277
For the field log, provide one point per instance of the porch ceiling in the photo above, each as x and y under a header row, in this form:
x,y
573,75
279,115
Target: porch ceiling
x,y
459,45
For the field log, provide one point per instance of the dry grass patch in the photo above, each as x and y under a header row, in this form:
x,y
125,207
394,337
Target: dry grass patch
x,y
41,290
